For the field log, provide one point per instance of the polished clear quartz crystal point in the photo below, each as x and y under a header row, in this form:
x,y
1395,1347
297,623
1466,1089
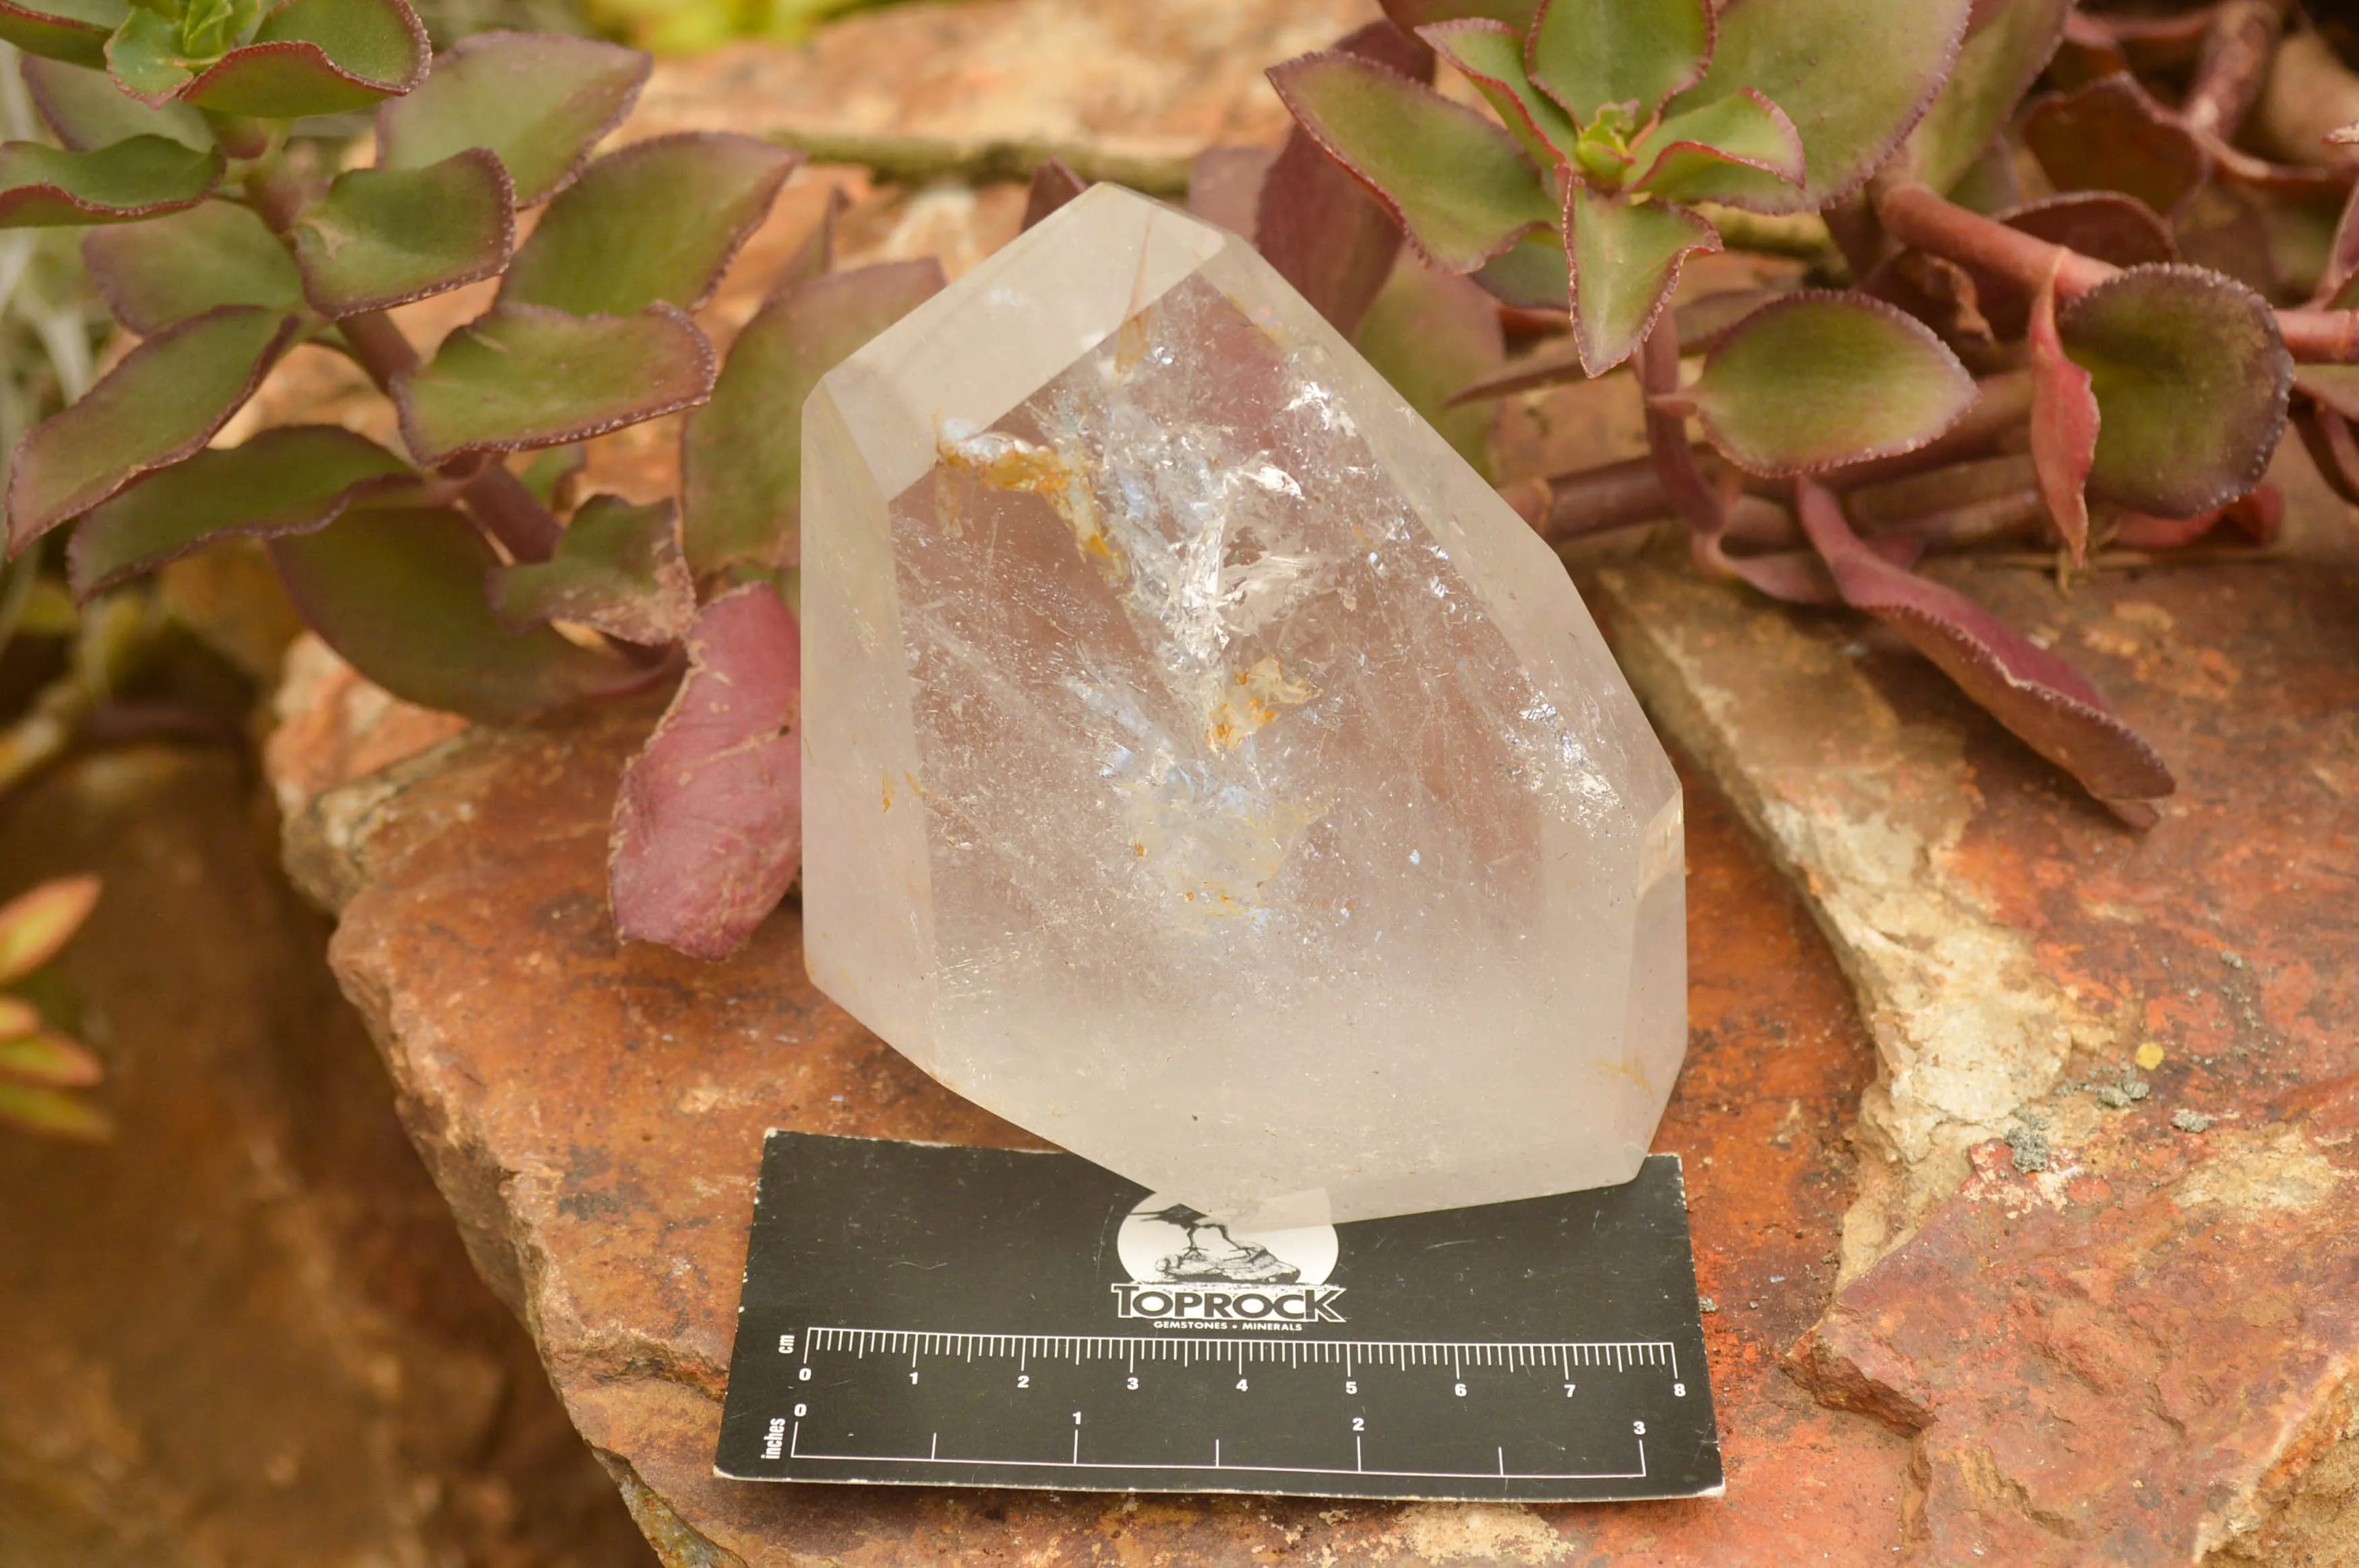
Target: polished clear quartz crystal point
x,y
1202,767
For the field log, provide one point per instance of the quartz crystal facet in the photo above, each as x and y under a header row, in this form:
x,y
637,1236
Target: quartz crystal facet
x,y
1202,767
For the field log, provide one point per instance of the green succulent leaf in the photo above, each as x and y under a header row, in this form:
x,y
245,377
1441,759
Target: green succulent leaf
x,y
1625,257
146,60
1586,54
2192,377
1533,274
659,221
1460,184
617,569
539,101
382,237
741,454
185,263
1996,65
74,31
2110,135
52,1113
50,1059
524,375
1311,218
37,924
314,57
1491,56
1854,76
1818,379
1739,151
160,404
1410,15
142,178
289,479
1430,333
399,593
86,110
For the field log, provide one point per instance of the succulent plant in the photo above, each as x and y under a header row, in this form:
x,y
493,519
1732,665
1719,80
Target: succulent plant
x,y
444,571
2051,372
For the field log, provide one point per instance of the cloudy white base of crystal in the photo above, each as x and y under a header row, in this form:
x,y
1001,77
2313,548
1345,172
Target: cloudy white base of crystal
x,y
1202,767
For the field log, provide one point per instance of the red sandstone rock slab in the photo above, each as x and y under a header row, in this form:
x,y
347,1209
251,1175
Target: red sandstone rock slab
x,y
595,1115
2012,945
2121,1357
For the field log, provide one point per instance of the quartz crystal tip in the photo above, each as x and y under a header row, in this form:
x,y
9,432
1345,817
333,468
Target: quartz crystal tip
x,y
1202,767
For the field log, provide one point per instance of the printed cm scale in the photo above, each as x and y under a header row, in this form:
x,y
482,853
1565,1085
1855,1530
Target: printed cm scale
x,y
926,1315
1527,1420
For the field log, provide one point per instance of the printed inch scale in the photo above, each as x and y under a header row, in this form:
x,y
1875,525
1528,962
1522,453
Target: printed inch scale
x,y
921,1314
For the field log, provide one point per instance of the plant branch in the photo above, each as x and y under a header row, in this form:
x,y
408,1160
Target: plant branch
x,y
498,501
1918,216
2233,64
921,160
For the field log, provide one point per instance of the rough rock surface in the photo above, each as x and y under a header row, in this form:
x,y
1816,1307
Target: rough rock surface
x,y
595,1114
2022,960
243,1334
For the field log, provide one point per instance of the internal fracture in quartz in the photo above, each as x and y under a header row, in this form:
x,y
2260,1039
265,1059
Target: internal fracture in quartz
x,y
1203,768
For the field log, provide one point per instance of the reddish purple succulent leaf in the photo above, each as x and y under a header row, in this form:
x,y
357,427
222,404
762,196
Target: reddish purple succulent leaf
x,y
2100,223
658,221
2064,426
707,824
399,593
1054,183
1225,186
2110,135
161,404
2047,702
1323,231
2341,270
289,479
2333,448
539,101
617,569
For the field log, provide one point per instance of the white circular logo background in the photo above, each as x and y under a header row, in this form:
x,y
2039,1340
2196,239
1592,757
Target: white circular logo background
x,y
1155,1233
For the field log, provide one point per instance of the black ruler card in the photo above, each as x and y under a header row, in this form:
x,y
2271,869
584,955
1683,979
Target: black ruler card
x,y
948,1316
